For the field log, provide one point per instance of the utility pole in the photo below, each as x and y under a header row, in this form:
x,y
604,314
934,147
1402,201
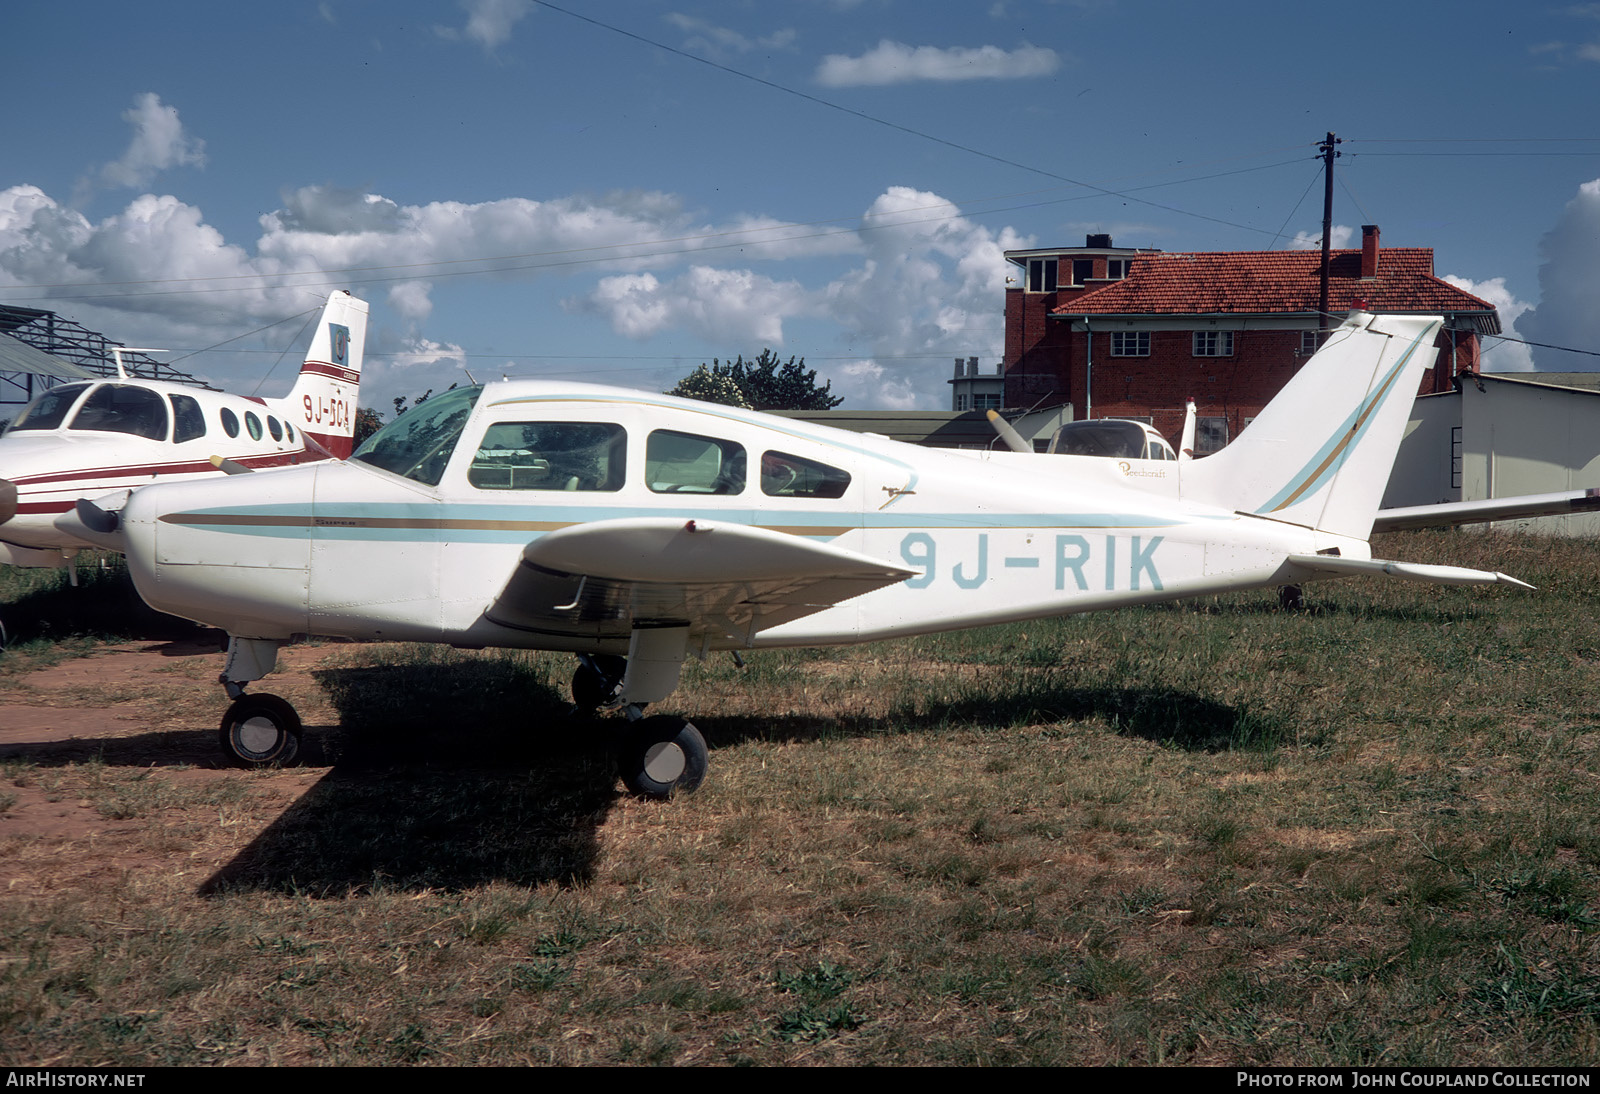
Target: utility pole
x,y
1328,154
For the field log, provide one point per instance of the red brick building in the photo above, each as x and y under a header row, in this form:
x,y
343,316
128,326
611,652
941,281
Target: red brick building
x,y
1133,333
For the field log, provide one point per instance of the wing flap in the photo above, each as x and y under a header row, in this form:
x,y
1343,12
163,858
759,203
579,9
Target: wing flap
x,y
598,580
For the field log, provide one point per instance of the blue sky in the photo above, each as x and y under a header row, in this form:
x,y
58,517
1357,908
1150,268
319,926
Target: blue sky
x,y
619,191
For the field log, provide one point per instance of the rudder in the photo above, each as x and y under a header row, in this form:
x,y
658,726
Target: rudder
x,y
1319,455
323,401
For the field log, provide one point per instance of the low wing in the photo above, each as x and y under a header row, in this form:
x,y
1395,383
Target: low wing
x,y
602,579
1477,512
1333,566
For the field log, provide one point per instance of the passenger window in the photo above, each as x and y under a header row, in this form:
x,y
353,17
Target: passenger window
x,y
274,428
230,422
253,424
684,463
550,456
123,408
787,476
189,421
288,431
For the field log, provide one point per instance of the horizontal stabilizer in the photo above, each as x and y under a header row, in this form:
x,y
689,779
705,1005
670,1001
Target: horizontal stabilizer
x,y
1333,566
1451,513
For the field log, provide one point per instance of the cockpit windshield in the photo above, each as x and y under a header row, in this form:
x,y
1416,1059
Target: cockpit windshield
x,y
418,444
49,410
1100,437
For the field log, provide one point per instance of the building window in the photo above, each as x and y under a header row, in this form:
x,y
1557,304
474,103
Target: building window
x,y
1308,342
1130,343
1210,434
986,402
1042,275
1082,270
1116,268
1213,343
961,402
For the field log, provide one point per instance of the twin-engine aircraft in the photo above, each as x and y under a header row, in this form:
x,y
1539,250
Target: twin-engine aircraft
x,y
82,440
635,530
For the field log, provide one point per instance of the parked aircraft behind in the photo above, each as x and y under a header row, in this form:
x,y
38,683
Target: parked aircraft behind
x,y
84,439
636,529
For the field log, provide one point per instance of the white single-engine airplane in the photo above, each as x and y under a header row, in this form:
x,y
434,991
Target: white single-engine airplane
x,y
81,440
636,529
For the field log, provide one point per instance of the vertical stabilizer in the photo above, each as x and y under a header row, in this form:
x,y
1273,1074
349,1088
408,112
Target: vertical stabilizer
x,y
323,402
1320,453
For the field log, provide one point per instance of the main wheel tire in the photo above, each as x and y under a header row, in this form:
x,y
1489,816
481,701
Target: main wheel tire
x,y
260,731
592,690
662,756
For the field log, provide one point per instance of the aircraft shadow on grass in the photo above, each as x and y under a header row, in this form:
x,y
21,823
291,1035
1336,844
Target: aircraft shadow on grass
x,y
443,789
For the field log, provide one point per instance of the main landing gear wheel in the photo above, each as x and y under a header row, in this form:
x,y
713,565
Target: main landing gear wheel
x,y
661,756
595,681
260,731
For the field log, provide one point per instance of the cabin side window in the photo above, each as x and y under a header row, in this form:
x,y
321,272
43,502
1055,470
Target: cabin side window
x,y
274,429
686,463
550,456
123,408
253,425
188,420
230,422
49,410
788,476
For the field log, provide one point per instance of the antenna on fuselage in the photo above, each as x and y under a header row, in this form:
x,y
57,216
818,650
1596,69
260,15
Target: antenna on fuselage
x,y
118,351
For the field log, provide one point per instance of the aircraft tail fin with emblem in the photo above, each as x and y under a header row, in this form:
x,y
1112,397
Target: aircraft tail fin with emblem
x,y
323,402
1320,453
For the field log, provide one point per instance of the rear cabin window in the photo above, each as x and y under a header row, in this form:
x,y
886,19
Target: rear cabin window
x,y
188,420
49,410
787,476
686,463
550,456
274,428
253,425
123,408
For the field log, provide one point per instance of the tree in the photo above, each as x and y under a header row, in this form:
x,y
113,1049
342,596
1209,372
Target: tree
x,y
710,387
368,422
765,383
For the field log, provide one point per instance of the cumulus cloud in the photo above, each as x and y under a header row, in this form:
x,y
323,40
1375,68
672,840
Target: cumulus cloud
x,y
896,63
1339,238
924,291
489,22
1500,356
711,38
736,306
159,143
1569,284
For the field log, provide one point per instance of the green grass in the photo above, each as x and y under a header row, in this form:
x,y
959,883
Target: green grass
x,y
1212,833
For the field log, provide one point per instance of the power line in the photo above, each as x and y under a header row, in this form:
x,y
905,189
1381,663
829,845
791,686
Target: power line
x,y
874,119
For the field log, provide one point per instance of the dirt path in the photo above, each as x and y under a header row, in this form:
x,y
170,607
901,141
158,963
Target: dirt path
x,y
92,747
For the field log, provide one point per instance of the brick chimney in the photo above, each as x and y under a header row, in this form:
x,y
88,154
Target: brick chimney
x,y
1369,250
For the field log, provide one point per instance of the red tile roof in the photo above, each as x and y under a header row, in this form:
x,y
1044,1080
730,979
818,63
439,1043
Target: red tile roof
x,y
1255,282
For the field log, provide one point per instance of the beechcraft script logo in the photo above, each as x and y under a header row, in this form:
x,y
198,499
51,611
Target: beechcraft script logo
x,y
340,337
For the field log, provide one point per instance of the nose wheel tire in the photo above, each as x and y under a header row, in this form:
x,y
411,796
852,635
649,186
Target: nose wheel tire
x,y
661,756
260,731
